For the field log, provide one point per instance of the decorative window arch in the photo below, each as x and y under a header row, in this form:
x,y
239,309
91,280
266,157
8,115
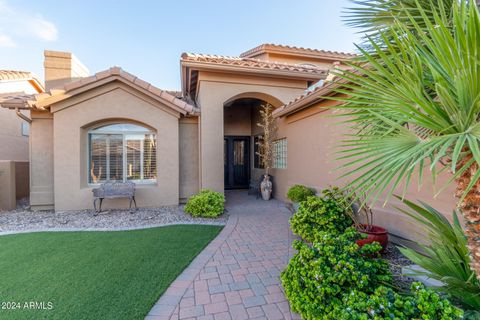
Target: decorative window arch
x,y
122,152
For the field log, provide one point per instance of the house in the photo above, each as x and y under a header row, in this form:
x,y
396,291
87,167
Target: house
x,y
114,126
14,134
14,130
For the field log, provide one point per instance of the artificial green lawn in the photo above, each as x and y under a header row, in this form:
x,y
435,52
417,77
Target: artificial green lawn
x,y
95,275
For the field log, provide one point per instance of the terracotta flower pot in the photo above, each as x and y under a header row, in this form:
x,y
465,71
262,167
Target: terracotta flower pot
x,y
374,233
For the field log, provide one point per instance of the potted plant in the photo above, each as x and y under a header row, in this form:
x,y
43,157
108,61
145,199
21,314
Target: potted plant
x,y
299,193
374,233
265,148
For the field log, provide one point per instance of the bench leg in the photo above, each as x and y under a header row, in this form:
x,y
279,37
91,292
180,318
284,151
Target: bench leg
x,y
135,202
100,208
94,207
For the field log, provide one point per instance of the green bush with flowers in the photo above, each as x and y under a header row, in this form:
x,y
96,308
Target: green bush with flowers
x,y
334,278
327,213
385,303
320,274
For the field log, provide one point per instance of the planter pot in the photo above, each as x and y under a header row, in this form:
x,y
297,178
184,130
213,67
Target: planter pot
x,y
375,233
266,188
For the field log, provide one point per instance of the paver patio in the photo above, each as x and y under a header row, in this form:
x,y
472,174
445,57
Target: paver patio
x,y
238,275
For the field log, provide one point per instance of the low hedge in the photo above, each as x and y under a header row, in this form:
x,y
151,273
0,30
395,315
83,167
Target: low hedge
x,y
334,278
385,303
207,204
299,193
326,213
319,275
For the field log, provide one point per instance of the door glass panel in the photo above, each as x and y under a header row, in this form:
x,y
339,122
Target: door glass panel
x,y
239,168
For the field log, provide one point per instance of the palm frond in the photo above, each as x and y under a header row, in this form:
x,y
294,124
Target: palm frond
x,y
413,106
445,257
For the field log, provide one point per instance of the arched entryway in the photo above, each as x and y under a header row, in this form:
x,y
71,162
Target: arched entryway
x,y
241,133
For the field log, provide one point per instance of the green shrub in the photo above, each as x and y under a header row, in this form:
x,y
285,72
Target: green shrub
x,y
384,303
299,193
318,276
207,203
327,213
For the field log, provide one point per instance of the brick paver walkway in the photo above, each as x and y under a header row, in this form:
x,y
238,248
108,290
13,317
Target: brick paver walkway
x,y
238,275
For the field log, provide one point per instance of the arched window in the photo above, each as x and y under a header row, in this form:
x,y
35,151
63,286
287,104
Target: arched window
x,y
122,152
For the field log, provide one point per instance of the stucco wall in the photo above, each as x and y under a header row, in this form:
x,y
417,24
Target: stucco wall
x,y
237,120
41,161
189,165
214,91
118,102
313,138
14,145
22,179
7,185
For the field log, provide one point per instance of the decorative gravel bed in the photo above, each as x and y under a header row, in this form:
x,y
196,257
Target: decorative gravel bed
x,y
23,219
397,261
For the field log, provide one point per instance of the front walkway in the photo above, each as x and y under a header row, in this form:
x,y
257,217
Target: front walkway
x,y
238,275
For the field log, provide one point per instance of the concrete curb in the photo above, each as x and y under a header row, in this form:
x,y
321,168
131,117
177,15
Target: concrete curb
x,y
165,306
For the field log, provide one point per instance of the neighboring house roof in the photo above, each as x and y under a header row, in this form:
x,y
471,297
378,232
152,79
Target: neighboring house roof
x,y
42,101
14,100
309,98
15,75
292,50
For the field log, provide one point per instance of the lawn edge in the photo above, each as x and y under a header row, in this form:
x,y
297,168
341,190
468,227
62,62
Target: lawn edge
x,y
165,306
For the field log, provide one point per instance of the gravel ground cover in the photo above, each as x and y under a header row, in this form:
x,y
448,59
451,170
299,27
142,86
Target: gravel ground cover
x,y
23,219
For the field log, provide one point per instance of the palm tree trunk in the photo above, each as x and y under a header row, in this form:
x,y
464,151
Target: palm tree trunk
x,y
470,208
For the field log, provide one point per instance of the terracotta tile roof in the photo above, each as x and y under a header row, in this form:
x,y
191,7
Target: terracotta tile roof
x,y
15,75
308,98
252,63
266,47
42,101
15,100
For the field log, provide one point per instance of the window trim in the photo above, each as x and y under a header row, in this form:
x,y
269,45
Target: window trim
x,y
286,154
124,151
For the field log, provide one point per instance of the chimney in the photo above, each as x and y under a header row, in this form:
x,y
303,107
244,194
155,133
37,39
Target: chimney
x,y
62,67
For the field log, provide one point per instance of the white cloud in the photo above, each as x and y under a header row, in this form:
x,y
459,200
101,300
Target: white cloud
x,y
19,23
43,29
6,41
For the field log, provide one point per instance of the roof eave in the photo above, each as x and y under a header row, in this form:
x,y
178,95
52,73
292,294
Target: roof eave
x,y
244,69
316,97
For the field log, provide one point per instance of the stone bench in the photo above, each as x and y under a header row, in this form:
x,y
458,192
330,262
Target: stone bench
x,y
112,190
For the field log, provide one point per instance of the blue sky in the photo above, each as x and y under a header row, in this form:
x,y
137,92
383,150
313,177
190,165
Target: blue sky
x,y
147,38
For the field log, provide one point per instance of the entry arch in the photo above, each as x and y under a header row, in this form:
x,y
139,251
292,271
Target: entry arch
x,y
275,102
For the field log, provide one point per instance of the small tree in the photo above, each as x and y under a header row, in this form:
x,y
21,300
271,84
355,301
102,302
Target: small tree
x,y
265,145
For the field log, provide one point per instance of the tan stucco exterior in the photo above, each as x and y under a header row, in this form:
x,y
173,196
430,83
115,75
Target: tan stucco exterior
x,y
189,157
216,89
111,102
313,139
41,160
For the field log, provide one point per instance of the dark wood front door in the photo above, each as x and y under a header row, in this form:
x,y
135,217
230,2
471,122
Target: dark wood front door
x,y
236,153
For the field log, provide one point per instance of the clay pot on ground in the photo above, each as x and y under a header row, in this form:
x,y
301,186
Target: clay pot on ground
x,y
374,233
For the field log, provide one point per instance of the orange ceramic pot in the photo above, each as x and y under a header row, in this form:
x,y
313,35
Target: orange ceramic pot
x,y
374,233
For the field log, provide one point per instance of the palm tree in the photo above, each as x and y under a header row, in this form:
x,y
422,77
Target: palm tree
x,y
413,103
